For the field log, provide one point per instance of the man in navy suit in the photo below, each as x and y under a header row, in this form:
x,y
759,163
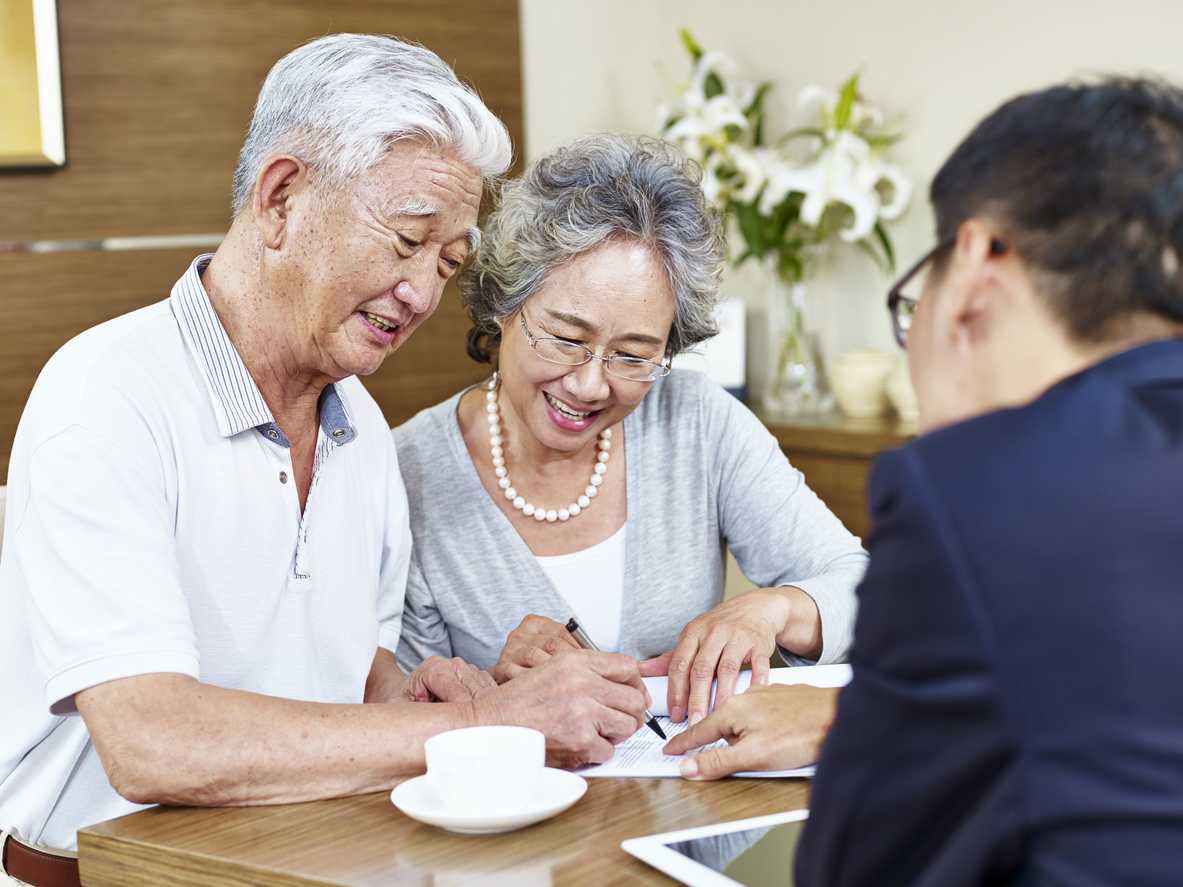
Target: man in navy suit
x,y
1016,711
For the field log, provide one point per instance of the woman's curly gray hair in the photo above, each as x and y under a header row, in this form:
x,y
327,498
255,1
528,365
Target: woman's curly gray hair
x,y
599,189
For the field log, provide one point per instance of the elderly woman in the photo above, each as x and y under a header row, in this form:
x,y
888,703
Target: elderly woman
x,y
585,477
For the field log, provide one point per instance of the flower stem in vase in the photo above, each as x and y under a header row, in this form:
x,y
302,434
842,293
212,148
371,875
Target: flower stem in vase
x,y
798,380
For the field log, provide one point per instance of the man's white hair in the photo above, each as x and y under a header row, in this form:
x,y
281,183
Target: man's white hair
x,y
337,103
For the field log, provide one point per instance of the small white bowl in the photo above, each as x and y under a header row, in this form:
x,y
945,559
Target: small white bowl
x,y
859,382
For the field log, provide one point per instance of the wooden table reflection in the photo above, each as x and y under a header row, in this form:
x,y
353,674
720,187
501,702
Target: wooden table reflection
x,y
367,841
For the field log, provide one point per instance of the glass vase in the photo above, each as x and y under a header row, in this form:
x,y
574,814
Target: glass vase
x,y
797,378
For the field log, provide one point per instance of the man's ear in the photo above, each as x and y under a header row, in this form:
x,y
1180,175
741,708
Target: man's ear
x,y
978,288
280,179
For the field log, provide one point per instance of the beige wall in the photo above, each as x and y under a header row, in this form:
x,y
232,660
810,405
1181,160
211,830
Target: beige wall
x,y
605,65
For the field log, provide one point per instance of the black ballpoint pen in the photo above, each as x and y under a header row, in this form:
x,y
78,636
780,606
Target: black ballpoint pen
x,y
584,641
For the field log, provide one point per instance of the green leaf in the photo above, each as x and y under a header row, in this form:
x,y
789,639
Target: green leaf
x,y
798,133
758,130
866,246
880,142
751,228
734,132
713,86
755,113
757,103
691,45
747,254
885,241
846,101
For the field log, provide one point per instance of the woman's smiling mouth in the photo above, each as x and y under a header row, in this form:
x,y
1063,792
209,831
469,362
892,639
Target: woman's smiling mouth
x,y
565,410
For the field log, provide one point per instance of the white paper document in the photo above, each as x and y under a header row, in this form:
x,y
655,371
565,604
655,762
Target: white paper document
x,y
641,755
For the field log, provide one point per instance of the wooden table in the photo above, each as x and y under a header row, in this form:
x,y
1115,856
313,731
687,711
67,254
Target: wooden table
x,y
367,841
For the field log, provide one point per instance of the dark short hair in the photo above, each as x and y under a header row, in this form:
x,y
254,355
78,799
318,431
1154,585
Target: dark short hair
x,y
1086,181
600,188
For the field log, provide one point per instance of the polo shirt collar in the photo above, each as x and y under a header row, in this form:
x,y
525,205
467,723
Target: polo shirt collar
x,y
238,403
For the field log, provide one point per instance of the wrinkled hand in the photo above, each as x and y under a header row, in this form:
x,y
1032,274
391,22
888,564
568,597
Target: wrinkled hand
x,y
716,645
584,701
779,727
534,641
443,680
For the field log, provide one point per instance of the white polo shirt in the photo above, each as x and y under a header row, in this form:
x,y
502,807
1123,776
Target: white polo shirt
x,y
153,525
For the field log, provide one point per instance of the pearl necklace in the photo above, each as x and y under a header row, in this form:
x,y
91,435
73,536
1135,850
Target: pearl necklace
x,y
540,514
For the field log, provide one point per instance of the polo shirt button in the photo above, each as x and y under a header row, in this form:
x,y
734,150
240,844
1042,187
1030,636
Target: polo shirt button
x,y
283,477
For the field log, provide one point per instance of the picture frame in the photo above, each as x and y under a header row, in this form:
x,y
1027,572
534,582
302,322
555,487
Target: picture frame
x,y
32,132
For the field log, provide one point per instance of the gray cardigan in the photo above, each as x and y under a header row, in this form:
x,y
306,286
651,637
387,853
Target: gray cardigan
x,y
702,473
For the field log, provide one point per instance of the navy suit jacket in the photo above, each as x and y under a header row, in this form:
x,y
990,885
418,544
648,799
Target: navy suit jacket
x,y
1016,711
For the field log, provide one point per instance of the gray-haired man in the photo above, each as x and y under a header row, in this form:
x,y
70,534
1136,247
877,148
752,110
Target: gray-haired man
x,y
207,538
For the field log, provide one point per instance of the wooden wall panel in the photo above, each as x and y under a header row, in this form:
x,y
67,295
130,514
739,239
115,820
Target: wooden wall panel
x,y
157,98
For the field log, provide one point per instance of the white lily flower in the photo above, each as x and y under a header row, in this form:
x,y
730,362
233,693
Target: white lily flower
x,y
710,120
691,145
844,169
817,95
872,170
836,177
862,112
693,98
783,179
711,186
662,115
742,92
718,63
753,169
851,180
901,190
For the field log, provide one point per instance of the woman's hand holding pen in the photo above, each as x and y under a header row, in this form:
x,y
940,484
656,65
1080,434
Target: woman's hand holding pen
x,y
715,645
534,641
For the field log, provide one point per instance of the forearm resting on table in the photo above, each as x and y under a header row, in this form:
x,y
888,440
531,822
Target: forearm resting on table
x,y
169,739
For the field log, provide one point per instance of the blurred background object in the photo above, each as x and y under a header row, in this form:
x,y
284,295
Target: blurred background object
x,y
31,132
786,197
860,382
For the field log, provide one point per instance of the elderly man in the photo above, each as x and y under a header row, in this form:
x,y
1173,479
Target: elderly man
x,y
207,536
1014,716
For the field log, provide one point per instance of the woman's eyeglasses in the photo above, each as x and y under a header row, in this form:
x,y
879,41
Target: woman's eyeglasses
x,y
562,351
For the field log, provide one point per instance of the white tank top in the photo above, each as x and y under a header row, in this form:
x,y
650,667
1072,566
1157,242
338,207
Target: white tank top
x,y
592,582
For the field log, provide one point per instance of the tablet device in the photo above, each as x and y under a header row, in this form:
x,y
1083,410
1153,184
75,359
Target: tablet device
x,y
746,853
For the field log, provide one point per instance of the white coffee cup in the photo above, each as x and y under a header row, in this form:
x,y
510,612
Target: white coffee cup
x,y
485,771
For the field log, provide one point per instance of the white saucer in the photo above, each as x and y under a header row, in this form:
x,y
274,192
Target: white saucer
x,y
559,790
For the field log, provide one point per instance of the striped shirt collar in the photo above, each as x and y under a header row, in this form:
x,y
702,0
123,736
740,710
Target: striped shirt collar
x,y
237,401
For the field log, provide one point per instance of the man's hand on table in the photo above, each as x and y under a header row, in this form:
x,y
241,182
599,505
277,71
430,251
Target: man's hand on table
x,y
435,680
584,701
715,645
535,640
778,727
